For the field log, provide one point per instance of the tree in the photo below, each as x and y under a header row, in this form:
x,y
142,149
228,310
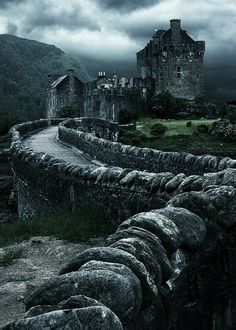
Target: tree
x,y
165,105
126,117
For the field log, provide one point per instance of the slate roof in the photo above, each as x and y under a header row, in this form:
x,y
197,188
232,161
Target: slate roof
x,y
58,81
185,37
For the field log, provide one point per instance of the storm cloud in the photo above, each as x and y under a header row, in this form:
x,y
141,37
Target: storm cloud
x,y
126,4
106,34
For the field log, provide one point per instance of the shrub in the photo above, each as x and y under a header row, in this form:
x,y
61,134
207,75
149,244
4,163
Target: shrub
x,y
126,117
158,130
202,128
189,124
133,138
223,129
165,105
67,111
182,115
231,114
6,122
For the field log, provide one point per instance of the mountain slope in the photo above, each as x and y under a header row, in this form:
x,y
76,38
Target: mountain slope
x,y
24,66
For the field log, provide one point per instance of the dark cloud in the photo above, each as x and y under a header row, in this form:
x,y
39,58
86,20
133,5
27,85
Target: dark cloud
x,y
127,4
220,73
6,3
106,34
47,17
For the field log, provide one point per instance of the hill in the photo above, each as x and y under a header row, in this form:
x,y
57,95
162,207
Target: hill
x,y
24,66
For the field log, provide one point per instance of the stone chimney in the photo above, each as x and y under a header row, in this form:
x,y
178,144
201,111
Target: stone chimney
x,y
71,72
175,26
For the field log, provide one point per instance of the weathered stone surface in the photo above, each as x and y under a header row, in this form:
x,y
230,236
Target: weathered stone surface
x,y
198,203
159,225
114,255
133,294
73,302
229,177
191,227
91,318
214,204
189,184
151,240
143,253
224,200
113,284
175,182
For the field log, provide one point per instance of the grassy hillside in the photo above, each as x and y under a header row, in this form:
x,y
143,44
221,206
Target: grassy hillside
x,y
24,66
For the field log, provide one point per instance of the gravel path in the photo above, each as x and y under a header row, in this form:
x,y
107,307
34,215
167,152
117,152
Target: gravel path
x,y
41,258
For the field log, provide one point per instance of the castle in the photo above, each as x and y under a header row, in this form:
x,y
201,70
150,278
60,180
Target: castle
x,y
171,61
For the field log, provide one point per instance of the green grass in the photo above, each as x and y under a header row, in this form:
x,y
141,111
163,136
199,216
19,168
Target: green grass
x,y
175,127
179,137
75,228
9,258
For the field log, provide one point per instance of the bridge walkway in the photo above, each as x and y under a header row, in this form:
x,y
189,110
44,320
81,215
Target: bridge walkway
x,y
46,141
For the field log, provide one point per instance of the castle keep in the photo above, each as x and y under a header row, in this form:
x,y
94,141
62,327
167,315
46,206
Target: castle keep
x,y
171,61
175,61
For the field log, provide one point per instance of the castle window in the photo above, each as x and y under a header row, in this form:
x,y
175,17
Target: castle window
x,y
178,69
178,75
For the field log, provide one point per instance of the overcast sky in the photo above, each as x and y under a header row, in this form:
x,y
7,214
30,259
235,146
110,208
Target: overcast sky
x,y
106,34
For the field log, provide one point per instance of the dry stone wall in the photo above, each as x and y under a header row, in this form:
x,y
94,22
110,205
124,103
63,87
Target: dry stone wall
x,y
143,159
175,262
159,268
46,184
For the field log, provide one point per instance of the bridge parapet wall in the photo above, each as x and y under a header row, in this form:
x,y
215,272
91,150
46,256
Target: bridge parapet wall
x,y
158,269
100,128
185,272
46,184
144,159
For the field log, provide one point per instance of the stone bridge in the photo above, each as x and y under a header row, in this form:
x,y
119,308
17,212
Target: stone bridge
x,y
171,263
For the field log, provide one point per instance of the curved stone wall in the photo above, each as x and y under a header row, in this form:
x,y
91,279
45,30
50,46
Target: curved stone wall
x,y
144,159
159,268
46,184
164,269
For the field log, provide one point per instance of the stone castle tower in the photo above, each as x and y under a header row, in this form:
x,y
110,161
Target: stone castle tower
x,y
175,61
